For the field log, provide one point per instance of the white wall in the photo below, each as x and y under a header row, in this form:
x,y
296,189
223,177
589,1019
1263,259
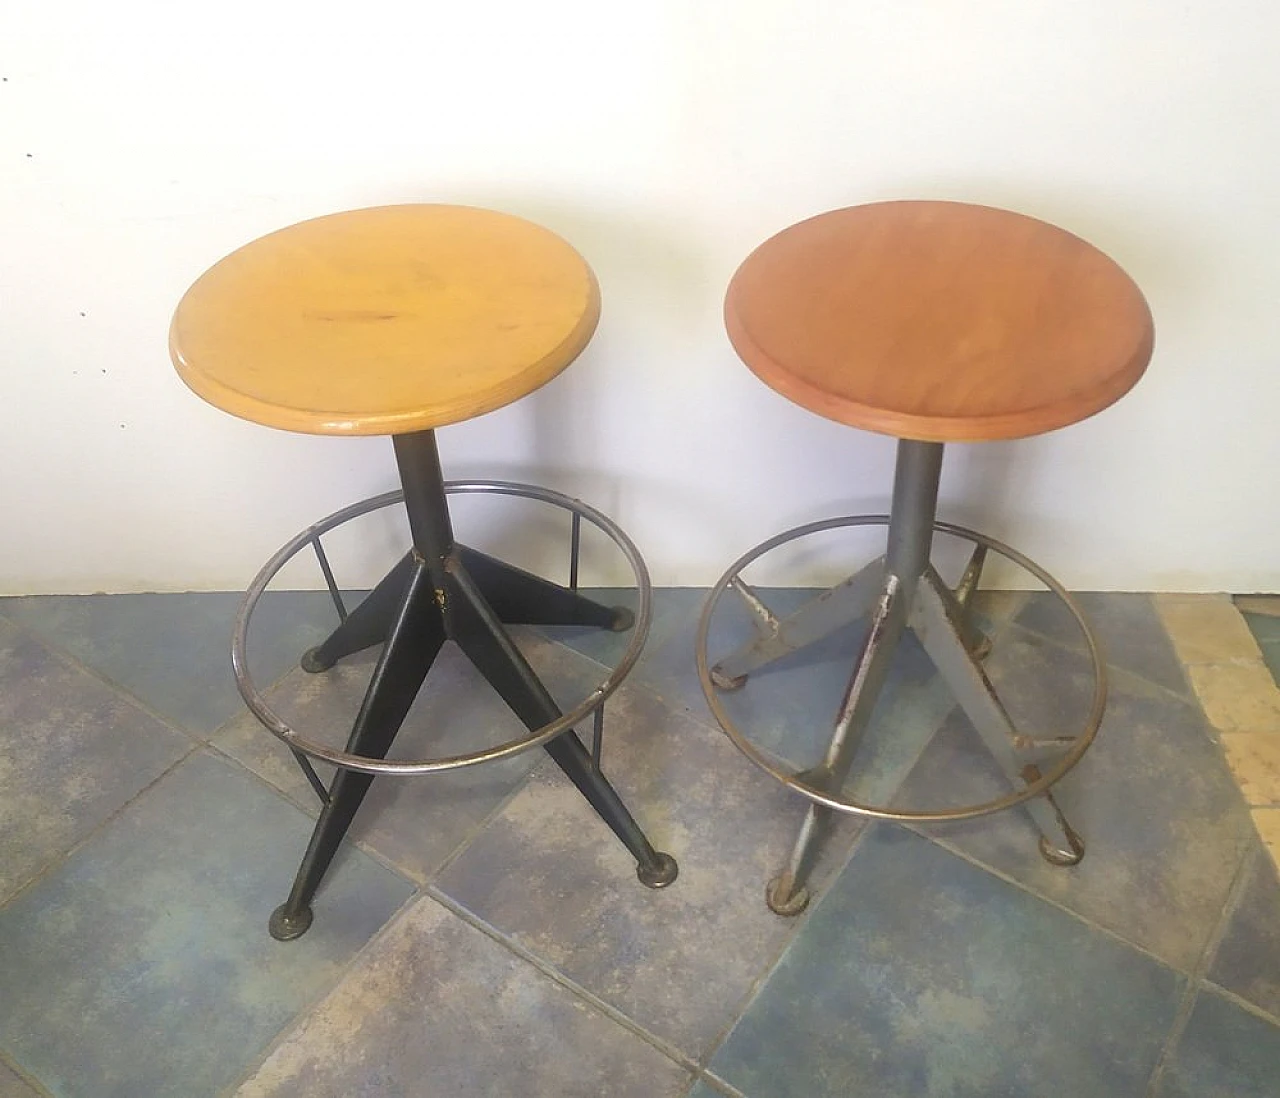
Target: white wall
x,y
140,141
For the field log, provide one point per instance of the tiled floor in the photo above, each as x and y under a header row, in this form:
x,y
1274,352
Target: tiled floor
x,y
485,935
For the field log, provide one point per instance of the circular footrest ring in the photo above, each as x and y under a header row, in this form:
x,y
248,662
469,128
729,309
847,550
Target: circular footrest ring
x,y
593,701
790,779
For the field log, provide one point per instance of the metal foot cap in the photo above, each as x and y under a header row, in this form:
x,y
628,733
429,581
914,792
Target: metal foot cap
x,y
786,905
1055,856
721,681
314,662
623,619
284,927
660,874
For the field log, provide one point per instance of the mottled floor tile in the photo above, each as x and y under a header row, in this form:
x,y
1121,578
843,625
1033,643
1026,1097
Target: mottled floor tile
x,y
143,965
1239,697
415,821
1164,823
920,975
438,1008
547,872
1254,759
1225,1052
13,1086
1206,628
1248,960
1265,627
1131,634
172,651
72,752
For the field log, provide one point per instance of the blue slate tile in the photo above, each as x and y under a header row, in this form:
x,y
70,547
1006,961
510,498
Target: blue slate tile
x,y
1248,960
1132,636
143,966
1225,1052
921,975
548,873
1165,826
72,752
13,1085
436,1007
416,821
172,651
1265,627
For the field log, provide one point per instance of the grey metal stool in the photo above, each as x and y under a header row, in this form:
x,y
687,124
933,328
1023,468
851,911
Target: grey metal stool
x,y
932,322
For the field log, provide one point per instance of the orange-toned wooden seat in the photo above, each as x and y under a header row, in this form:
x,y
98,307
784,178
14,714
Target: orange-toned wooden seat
x,y
939,321
932,322
397,320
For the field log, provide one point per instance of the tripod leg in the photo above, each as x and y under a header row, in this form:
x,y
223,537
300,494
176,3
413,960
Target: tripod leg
x,y
479,633
417,632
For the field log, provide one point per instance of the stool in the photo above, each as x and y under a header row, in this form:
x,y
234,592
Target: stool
x,y
932,322
395,321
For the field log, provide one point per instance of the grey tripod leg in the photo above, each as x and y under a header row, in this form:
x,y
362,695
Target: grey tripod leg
x,y
817,618
787,894
934,622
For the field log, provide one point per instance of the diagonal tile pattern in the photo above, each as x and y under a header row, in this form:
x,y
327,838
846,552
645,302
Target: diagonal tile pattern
x,y
547,874
437,1007
921,975
173,651
72,752
529,960
141,967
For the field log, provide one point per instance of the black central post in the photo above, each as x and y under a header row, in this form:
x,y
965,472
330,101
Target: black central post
x,y
429,596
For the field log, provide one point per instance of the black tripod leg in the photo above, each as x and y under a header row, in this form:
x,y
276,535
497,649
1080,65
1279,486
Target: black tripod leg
x,y
521,598
479,633
416,636
368,624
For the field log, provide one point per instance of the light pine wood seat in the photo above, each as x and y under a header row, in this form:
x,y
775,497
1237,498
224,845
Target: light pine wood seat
x,y
385,320
396,320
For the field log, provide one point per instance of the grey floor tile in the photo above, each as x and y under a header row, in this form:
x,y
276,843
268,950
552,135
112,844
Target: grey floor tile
x,y
1265,627
172,651
1248,960
679,961
1225,1052
13,1086
143,966
415,821
1131,633
1165,825
72,752
920,974
1271,656
788,708
436,1007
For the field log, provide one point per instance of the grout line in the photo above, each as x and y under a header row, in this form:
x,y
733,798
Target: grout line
x,y
1197,976
950,846
1244,1004
37,1087
543,966
307,1009
61,860
767,971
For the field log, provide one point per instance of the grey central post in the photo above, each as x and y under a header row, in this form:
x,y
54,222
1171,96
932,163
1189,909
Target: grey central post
x,y
911,518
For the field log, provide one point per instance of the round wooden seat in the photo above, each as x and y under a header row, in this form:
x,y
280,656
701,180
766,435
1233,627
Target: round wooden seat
x,y
385,320
939,321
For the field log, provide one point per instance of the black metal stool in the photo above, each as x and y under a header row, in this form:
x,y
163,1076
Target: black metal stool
x,y
397,320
